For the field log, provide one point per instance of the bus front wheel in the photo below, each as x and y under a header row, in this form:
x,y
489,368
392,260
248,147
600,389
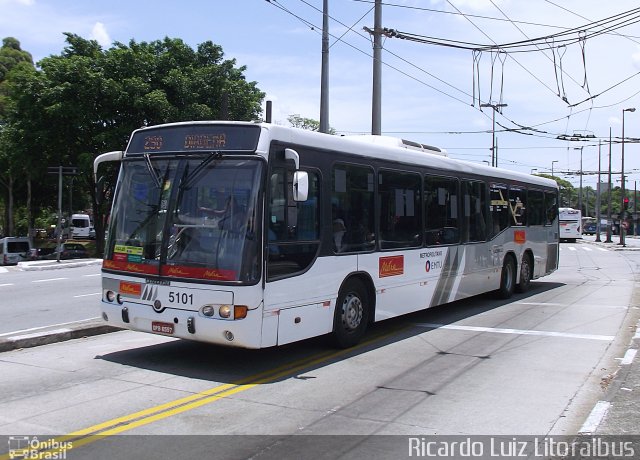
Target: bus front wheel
x,y
507,278
351,314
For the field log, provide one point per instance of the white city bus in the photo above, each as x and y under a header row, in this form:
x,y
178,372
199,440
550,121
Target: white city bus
x,y
256,235
570,224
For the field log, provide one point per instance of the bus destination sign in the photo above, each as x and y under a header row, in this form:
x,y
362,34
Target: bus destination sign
x,y
205,137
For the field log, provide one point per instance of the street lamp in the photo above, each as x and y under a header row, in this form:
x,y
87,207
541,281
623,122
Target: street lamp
x,y
495,107
622,210
533,169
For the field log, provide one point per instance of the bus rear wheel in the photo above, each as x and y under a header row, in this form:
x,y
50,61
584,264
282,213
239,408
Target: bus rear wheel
x,y
507,278
525,274
351,314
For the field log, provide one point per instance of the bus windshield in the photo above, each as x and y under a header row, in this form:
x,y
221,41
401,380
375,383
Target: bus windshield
x,y
187,218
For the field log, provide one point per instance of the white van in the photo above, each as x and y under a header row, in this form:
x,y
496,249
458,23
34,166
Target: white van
x,y
15,249
80,226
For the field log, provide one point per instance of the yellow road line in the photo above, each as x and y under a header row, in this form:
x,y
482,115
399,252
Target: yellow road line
x,y
144,417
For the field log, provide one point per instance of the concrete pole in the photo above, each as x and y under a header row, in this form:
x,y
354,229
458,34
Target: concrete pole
x,y
376,100
324,78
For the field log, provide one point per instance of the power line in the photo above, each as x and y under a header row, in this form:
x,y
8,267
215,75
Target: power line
x,y
520,129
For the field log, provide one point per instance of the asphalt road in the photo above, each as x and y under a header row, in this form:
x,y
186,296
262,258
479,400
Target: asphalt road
x,y
36,298
537,365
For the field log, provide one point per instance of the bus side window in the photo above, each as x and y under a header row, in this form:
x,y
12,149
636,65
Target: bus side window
x,y
500,211
352,208
518,205
536,207
551,206
400,214
441,210
474,198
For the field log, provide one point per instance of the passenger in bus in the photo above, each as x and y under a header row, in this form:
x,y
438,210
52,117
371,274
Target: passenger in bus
x,y
339,230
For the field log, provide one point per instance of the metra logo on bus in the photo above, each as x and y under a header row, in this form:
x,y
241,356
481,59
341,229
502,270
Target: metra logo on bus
x,y
391,266
432,264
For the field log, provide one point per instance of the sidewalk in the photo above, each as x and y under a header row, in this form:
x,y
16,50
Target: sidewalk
x,y
631,242
616,413
53,264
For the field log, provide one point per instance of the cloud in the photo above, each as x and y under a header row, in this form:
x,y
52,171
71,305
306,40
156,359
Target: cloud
x,y
635,58
100,34
20,2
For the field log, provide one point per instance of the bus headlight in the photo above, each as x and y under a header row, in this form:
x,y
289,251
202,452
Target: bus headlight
x,y
225,311
110,296
208,310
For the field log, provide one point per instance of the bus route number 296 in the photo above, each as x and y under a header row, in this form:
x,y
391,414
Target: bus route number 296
x,y
181,298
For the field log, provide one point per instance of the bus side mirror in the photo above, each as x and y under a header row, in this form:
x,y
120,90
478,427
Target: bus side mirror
x,y
300,186
100,190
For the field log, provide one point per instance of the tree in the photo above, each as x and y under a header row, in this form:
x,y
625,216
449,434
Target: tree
x,y
12,61
566,190
88,100
297,121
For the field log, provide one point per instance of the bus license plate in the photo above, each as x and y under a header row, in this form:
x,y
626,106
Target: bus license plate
x,y
163,328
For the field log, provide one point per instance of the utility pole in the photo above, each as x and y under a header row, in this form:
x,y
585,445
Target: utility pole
x,y
324,78
376,103
609,229
623,211
494,153
60,171
580,191
599,191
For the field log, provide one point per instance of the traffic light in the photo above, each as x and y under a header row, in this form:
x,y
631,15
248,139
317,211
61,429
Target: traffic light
x,y
625,202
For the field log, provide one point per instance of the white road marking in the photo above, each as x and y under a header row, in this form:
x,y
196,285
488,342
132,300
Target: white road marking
x,y
49,279
86,295
628,357
496,330
6,284
595,417
93,274
551,304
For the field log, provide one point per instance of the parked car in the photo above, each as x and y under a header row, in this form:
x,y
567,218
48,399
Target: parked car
x,y
70,251
14,249
44,253
590,228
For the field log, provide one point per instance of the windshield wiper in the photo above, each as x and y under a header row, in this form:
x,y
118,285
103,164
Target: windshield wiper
x,y
152,171
190,179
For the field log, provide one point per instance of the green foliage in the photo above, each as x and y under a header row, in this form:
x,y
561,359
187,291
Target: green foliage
x,y
88,100
297,121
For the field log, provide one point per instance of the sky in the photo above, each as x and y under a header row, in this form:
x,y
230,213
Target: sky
x,y
561,87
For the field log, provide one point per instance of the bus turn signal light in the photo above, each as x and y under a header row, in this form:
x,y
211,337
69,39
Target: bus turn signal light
x,y
240,311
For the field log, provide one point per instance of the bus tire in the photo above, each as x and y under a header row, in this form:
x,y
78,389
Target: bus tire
x,y
507,278
351,315
526,270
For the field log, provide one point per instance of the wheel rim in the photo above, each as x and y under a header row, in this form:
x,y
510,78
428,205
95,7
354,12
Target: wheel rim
x,y
525,272
352,311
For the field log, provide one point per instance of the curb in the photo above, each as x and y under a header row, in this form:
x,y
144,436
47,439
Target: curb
x,y
54,265
54,334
